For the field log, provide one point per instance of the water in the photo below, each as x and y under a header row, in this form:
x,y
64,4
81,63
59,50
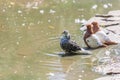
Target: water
x,y
29,44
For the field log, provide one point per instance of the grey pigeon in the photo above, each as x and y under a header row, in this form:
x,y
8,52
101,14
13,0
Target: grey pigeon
x,y
68,45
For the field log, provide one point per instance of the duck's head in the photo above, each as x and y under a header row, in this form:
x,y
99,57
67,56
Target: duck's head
x,y
89,28
95,24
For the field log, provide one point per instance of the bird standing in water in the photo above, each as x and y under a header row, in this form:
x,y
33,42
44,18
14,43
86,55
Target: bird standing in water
x,y
68,45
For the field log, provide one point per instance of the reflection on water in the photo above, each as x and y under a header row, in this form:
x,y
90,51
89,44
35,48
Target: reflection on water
x,y
29,32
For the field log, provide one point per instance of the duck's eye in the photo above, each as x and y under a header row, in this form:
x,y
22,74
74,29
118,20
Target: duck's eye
x,y
88,41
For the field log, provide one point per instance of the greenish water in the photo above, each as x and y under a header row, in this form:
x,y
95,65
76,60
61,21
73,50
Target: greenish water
x,y
28,38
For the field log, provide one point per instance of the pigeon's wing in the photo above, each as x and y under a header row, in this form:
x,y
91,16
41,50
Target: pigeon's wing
x,y
73,46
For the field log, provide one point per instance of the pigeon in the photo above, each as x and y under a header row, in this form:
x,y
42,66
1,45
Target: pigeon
x,y
68,45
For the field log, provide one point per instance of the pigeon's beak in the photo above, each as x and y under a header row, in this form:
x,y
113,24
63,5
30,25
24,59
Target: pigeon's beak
x,y
63,32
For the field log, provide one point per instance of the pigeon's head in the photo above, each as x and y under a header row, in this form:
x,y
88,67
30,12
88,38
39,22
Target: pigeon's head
x,y
65,32
66,35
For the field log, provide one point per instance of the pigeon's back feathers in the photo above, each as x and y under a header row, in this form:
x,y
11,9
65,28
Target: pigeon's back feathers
x,y
70,46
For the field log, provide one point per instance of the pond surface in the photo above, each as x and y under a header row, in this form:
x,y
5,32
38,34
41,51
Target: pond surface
x,y
29,44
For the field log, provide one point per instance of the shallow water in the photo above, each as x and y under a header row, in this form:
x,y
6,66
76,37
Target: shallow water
x,y
29,44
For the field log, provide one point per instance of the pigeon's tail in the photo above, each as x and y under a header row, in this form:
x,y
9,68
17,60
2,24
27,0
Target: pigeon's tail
x,y
84,52
76,47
